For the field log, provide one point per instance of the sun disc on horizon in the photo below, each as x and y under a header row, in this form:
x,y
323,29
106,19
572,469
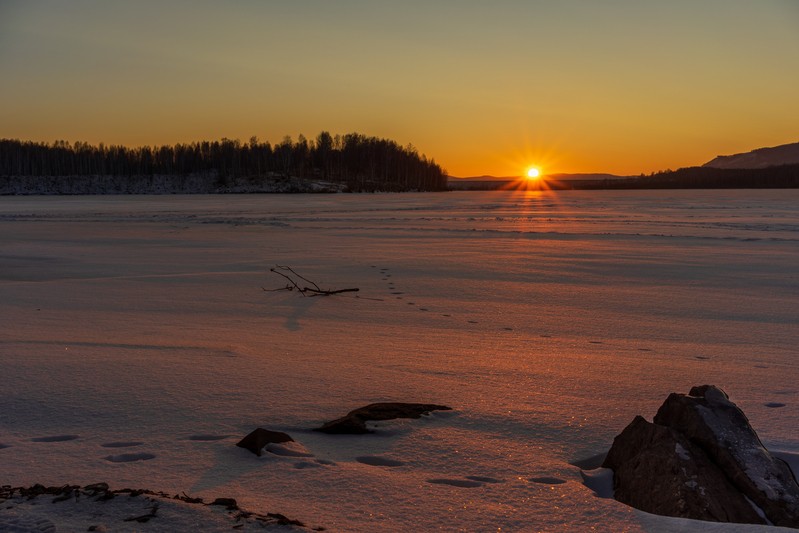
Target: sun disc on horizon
x,y
533,173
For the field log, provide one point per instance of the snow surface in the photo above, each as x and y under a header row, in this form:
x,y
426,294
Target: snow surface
x,y
138,345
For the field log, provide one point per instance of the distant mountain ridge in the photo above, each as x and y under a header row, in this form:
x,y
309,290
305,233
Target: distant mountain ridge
x,y
786,154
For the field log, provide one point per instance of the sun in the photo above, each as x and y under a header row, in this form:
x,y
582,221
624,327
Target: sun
x,y
533,173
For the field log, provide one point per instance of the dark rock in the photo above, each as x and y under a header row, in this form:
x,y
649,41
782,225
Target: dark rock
x,y
260,437
346,425
354,422
229,503
701,459
657,470
708,418
96,487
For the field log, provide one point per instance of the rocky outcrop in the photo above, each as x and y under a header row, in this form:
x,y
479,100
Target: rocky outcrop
x,y
658,470
260,437
354,422
709,419
701,459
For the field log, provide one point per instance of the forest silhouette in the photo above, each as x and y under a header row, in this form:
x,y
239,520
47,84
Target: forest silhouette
x,y
354,161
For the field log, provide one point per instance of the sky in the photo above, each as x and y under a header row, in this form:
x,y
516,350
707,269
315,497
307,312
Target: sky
x,y
484,88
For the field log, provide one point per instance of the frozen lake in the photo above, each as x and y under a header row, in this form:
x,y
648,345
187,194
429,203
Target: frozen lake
x,y
547,320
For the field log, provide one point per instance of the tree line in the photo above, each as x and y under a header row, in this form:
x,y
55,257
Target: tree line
x,y
358,162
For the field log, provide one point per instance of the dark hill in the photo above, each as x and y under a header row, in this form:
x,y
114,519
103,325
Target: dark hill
x,y
786,154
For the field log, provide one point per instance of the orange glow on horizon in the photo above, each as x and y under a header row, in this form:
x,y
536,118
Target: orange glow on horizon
x,y
590,105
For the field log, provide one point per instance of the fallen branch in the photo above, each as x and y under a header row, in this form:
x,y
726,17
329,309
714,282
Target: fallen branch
x,y
295,279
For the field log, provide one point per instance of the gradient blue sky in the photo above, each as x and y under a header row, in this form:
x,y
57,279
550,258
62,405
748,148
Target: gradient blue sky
x,y
622,86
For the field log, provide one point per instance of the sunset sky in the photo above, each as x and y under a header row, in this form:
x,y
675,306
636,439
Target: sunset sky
x,y
620,86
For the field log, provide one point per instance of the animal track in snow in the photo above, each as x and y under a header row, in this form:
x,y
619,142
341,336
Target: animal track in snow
x,y
54,438
122,444
546,480
302,465
129,457
374,460
463,483
208,438
485,479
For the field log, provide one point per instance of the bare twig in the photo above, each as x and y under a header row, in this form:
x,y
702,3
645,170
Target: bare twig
x,y
288,268
305,290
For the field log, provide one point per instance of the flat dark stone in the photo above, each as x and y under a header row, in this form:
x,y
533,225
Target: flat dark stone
x,y
260,437
354,422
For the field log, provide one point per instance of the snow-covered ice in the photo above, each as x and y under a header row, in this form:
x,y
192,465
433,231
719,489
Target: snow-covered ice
x,y
138,346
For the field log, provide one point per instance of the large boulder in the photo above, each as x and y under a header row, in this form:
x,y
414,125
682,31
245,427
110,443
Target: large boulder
x,y
354,422
701,459
658,470
708,418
